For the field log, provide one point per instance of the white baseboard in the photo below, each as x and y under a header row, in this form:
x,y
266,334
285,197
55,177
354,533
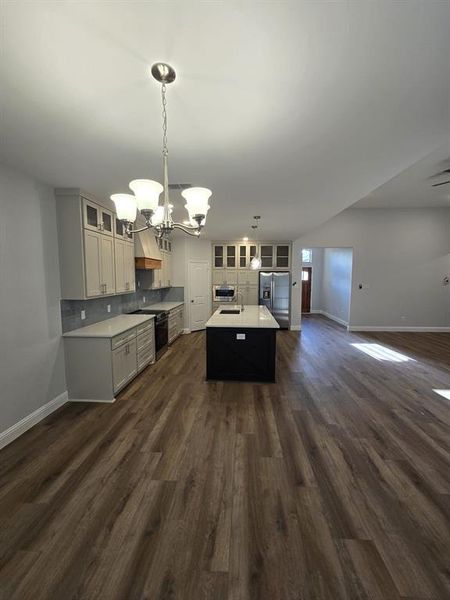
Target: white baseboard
x,y
97,401
185,331
329,316
333,318
295,327
398,328
16,430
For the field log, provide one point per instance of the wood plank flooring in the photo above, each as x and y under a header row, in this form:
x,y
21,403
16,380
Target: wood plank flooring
x,y
333,483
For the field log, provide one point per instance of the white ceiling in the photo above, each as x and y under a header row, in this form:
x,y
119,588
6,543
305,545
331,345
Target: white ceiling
x,y
290,110
413,187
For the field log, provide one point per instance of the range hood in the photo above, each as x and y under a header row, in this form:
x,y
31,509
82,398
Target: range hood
x,y
146,251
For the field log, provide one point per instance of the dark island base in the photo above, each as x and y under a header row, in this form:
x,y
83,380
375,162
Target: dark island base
x,y
248,359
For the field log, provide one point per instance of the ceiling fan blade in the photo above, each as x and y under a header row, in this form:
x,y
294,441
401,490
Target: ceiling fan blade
x,y
442,183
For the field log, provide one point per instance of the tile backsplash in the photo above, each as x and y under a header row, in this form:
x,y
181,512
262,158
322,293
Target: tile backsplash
x,y
96,309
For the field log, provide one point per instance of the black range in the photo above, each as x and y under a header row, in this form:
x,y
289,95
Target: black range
x,y
161,328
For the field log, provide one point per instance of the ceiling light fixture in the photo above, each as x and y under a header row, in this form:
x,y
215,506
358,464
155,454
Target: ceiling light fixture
x,y
255,263
146,192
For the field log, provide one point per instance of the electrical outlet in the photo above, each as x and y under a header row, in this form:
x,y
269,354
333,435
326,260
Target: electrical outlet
x,y
108,308
145,299
83,315
403,318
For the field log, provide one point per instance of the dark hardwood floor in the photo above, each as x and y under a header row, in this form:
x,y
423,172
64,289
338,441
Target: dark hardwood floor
x,y
333,483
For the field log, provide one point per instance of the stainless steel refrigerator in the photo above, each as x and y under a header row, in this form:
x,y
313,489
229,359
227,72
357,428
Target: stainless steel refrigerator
x,y
274,292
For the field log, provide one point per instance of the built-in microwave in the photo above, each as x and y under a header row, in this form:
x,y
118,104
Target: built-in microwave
x,y
224,293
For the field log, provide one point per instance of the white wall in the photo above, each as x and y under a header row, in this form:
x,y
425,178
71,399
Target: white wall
x,y
32,358
402,256
336,283
185,249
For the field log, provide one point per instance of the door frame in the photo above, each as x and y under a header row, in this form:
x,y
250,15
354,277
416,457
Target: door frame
x,y
188,289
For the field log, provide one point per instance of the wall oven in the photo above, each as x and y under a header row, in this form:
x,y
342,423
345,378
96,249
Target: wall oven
x,y
224,293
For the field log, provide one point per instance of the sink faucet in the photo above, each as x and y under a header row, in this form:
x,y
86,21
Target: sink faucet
x,y
242,302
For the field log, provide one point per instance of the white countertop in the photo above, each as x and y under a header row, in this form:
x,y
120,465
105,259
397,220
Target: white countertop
x,y
110,327
252,316
163,305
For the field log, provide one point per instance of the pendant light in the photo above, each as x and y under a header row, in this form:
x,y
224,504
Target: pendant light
x,y
255,263
146,192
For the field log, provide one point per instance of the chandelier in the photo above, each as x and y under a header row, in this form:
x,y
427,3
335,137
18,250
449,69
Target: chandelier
x,y
146,192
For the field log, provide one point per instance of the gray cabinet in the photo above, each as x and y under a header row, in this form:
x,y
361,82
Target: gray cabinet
x,y
97,218
96,255
124,365
124,266
176,323
98,368
99,264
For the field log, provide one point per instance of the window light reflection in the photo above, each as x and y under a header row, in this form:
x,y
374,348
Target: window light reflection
x,y
382,353
443,393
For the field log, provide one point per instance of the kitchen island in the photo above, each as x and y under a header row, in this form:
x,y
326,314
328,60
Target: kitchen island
x,y
241,344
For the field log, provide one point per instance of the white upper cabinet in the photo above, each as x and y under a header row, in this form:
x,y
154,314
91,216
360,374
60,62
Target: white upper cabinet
x,y
282,256
245,254
231,256
120,231
93,251
267,255
107,265
125,273
99,261
97,218
218,256
96,255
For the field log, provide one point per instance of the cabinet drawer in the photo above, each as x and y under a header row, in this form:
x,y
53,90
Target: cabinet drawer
x,y
144,327
145,340
145,358
123,338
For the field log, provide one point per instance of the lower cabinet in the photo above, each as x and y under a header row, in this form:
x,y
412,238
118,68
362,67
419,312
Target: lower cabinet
x,y
176,323
97,368
124,363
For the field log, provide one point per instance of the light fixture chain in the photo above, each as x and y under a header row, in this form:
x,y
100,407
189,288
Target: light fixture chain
x,y
164,115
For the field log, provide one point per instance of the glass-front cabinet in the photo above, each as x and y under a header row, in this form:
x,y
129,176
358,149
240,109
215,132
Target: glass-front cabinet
x,y
266,256
218,257
282,256
231,257
245,254
97,218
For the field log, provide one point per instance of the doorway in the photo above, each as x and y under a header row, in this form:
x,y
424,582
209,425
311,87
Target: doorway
x,y
199,294
306,289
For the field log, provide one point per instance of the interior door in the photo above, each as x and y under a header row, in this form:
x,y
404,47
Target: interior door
x,y
306,289
199,294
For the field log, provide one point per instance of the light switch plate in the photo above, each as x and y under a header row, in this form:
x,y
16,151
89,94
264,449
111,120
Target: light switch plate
x,y
108,308
240,336
83,315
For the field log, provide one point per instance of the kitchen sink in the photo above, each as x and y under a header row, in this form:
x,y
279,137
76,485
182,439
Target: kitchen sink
x,y
230,311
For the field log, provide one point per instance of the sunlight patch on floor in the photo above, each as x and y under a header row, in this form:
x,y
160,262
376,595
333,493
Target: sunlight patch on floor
x,y
443,393
382,353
